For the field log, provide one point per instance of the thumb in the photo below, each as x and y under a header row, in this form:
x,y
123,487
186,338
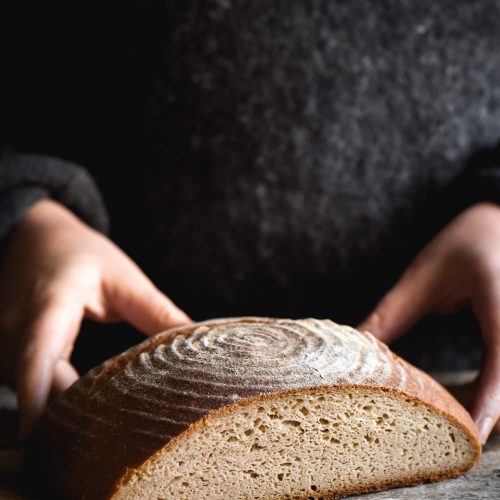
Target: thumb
x,y
136,300
401,307
48,338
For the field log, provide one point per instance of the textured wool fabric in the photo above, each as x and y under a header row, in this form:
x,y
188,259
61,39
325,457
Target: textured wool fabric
x,y
301,145
26,179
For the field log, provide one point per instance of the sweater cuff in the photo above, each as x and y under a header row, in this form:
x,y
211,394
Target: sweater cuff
x,y
28,178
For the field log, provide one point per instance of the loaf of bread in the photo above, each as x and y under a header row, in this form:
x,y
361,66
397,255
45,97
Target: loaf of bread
x,y
251,408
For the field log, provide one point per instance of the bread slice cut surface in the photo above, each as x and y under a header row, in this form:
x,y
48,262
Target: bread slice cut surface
x,y
314,443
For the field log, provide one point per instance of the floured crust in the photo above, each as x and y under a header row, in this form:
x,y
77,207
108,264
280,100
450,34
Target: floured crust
x,y
94,430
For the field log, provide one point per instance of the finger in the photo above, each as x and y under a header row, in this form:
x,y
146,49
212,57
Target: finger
x,y
401,307
64,375
46,339
139,302
486,408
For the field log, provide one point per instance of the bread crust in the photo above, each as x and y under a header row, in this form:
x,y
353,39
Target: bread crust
x,y
67,448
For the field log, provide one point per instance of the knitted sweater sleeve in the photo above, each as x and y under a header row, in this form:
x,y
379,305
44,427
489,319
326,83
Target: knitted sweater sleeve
x,y
28,178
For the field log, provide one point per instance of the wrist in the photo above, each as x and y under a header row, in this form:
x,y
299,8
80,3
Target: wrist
x,y
47,212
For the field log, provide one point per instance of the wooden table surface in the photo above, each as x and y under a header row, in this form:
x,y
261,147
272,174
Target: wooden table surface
x,y
483,482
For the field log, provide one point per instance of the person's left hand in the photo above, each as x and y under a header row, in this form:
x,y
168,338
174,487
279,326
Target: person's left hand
x,y
459,267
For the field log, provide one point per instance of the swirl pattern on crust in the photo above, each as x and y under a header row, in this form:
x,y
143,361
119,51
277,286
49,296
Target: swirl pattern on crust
x,y
173,383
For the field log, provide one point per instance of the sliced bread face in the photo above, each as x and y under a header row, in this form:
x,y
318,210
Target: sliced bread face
x,y
251,408
306,443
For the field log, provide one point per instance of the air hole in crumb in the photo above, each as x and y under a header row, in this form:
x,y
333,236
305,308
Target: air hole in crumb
x,y
185,484
334,440
291,423
256,447
263,428
280,476
452,436
314,487
232,439
324,421
367,407
304,411
248,432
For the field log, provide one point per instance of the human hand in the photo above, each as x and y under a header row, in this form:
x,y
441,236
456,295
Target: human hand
x,y
56,271
459,267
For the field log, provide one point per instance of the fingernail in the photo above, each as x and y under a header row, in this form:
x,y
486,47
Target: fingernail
x,y
484,426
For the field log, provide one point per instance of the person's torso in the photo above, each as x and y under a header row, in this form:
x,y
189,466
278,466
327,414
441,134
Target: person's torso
x,y
296,143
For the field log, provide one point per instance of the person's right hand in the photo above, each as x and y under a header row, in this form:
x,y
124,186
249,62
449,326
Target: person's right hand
x,y
56,271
